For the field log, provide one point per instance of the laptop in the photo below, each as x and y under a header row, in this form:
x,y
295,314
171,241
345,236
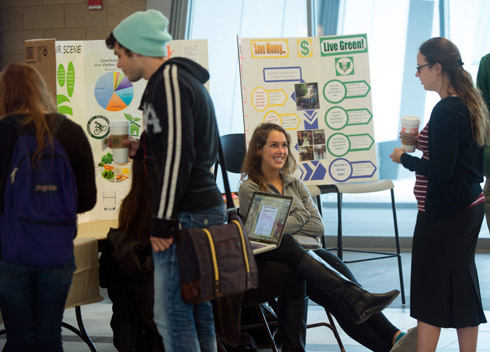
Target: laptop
x,y
266,219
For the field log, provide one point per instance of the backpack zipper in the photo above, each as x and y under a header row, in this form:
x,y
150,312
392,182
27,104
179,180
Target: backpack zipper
x,y
14,171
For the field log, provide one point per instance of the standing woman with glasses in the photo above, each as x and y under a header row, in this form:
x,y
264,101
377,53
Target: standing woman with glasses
x,y
444,286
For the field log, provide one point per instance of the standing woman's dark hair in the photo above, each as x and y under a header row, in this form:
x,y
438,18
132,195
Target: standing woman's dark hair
x,y
23,91
443,51
252,168
135,210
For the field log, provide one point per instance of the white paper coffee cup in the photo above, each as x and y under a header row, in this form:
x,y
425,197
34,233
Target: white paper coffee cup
x,y
410,130
119,132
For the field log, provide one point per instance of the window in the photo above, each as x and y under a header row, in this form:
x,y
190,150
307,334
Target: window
x,y
395,30
220,24
246,19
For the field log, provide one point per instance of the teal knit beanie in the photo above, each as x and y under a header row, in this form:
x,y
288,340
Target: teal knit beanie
x,y
144,33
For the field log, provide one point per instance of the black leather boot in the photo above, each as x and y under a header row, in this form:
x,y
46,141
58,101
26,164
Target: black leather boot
x,y
292,324
324,277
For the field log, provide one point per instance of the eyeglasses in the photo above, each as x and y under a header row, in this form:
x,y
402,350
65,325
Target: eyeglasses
x,y
421,66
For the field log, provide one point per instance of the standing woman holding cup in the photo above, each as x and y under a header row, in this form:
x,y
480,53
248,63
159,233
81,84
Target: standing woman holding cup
x,y
409,133
444,283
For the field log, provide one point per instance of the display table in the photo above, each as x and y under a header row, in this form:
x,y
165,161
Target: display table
x,y
91,237
96,229
85,285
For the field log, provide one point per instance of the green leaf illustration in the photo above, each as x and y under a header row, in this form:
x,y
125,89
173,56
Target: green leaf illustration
x,y
61,75
60,99
128,117
70,79
65,110
136,119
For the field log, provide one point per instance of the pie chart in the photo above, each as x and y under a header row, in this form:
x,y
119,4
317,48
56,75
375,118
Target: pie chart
x,y
113,91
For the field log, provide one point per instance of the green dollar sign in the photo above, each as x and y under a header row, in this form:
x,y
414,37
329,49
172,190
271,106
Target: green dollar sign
x,y
305,48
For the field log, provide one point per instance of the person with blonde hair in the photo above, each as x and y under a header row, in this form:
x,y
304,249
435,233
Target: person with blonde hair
x,y
444,291
32,299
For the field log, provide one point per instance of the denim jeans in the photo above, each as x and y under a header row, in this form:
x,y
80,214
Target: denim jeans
x,y
183,326
32,302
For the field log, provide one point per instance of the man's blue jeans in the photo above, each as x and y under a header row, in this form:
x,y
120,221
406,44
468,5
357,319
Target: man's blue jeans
x,y
183,326
32,302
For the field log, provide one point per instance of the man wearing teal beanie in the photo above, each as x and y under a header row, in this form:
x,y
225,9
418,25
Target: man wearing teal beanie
x,y
179,145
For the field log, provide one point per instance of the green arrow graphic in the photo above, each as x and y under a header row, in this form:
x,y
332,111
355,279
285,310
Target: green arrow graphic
x,y
357,89
340,144
337,117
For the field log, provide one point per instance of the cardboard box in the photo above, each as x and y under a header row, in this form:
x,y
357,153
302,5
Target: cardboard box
x,y
41,53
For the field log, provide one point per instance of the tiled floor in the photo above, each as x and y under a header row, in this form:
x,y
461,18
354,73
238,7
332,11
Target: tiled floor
x,y
376,276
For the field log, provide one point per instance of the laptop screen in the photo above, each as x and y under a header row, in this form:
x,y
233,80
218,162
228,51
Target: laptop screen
x,y
267,216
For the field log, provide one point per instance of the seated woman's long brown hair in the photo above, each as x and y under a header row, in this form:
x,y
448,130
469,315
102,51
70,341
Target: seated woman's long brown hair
x,y
135,212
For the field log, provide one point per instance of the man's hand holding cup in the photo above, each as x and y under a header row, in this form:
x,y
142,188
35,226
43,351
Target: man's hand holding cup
x,y
121,143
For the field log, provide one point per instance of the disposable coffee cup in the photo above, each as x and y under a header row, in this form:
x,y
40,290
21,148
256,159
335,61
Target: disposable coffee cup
x,y
410,130
119,132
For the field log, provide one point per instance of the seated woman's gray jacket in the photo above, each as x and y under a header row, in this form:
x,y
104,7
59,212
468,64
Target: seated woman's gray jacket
x,y
304,221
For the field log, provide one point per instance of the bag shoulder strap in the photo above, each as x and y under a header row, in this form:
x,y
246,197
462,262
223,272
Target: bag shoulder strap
x,y
230,206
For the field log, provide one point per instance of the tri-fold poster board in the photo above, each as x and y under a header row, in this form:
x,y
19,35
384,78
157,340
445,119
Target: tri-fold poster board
x,y
91,90
319,90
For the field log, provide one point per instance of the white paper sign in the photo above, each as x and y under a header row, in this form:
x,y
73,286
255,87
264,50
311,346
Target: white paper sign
x,y
319,90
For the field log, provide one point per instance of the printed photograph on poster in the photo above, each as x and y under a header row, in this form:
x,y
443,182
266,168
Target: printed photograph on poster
x,y
307,96
311,145
305,138
319,152
319,137
306,154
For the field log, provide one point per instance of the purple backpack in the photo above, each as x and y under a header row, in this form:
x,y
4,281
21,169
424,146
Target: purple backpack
x,y
39,224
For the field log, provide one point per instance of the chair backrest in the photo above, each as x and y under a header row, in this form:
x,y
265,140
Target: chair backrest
x,y
314,191
234,151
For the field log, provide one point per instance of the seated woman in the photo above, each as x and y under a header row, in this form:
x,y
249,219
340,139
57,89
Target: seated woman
x,y
126,270
267,168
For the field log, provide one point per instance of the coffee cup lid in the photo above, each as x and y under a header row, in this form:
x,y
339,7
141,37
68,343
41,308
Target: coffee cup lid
x,y
119,123
411,118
